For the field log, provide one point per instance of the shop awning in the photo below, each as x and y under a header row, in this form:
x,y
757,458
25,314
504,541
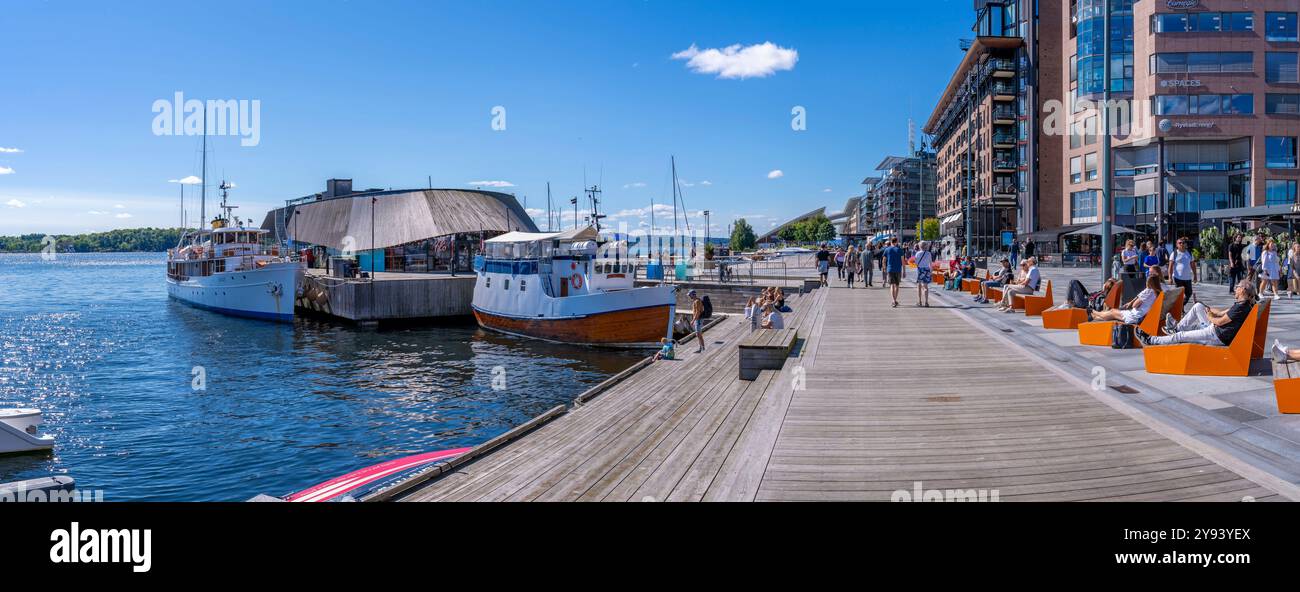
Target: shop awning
x,y
1096,230
1052,234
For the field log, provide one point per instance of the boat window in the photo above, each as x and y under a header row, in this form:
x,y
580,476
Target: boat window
x,y
506,285
487,281
523,285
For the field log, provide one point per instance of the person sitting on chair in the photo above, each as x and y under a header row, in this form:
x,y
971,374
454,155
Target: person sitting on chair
x,y
1001,279
1205,325
1024,286
1283,354
1136,309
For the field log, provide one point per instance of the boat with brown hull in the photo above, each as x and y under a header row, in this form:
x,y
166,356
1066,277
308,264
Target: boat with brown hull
x,y
569,287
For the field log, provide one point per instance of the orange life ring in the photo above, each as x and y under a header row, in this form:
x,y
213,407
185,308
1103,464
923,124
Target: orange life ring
x,y
576,280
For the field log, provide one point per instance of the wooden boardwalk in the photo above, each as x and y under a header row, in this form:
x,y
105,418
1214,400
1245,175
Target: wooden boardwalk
x,y
889,400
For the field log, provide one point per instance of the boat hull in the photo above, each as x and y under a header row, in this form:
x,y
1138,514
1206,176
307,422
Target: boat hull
x,y
14,435
266,293
637,327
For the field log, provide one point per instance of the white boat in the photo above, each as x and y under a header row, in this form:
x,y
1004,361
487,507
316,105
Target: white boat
x,y
569,287
234,270
19,433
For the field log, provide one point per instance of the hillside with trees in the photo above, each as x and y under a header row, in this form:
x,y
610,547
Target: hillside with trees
x,y
124,240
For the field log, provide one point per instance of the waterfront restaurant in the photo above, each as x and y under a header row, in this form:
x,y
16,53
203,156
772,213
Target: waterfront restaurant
x,y
408,230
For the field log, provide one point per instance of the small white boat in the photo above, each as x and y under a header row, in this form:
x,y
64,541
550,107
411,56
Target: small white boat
x,y
19,433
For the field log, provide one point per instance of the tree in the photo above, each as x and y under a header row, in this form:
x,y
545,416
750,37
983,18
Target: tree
x,y
1211,242
930,229
742,236
825,231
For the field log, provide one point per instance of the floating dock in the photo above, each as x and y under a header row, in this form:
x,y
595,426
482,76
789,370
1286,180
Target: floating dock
x,y
388,297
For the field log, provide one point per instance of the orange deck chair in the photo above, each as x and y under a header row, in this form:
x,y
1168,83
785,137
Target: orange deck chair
x,y
1035,305
1098,333
1286,384
1070,318
1194,359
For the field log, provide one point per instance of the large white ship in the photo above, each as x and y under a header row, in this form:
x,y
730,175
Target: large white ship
x,y
233,270
565,287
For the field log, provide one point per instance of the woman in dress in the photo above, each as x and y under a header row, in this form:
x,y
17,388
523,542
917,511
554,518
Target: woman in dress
x,y
1270,269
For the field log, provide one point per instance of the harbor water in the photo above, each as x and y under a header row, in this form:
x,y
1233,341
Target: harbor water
x,y
151,399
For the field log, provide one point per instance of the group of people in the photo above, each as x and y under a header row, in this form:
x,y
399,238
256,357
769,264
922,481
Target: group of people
x,y
852,264
1275,271
765,310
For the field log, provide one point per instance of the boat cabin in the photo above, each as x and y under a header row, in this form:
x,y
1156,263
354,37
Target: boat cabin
x,y
570,263
219,250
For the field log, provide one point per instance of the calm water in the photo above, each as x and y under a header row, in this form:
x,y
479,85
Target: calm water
x,y
94,341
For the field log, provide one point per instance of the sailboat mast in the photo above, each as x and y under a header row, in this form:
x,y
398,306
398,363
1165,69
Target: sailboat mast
x,y
549,217
673,160
203,193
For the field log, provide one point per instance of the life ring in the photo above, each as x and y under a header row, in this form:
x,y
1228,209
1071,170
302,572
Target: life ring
x,y
576,281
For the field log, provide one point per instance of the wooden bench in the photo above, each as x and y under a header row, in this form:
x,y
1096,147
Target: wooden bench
x,y
765,349
1098,333
972,285
1194,359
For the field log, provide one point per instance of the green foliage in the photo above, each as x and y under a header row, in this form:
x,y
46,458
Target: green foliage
x,y
930,229
122,240
1212,241
742,236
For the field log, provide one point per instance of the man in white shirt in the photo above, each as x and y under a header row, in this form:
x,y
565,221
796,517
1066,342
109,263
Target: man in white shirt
x,y
1024,286
1136,309
1180,269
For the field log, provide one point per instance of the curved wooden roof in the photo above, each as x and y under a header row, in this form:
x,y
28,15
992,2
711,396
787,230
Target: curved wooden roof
x,y
400,217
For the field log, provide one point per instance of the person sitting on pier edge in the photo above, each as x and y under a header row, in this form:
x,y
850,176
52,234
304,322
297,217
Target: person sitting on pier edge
x,y
772,318
665,352
1132,312
1024,286
1205,325
1003,278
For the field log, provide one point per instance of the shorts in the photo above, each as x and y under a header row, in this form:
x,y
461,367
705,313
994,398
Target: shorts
x,y
923,276
1133,317
823,266
895,278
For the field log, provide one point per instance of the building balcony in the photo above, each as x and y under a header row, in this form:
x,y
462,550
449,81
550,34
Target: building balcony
x,y
1004,141
1000,68
1004,117
1004,166
1003,92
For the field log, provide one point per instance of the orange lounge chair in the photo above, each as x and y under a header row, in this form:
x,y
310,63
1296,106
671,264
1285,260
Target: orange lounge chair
x,y
1261,330
1035,305
972,285
1194,359
1098,333
1286,384
1070,318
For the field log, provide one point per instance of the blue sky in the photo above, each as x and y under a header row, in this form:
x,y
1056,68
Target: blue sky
x,y
388,93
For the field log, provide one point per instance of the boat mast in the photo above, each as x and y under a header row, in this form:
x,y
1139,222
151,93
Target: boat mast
x,y
549,217
594,195
203,193
673,161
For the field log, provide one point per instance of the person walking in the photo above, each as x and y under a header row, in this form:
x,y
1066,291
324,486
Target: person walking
x,y
869,264
1236,265
1180,270
697,318
893,257
923,259
839,262
853,264
1015,252
823,264
1270,267
1293,270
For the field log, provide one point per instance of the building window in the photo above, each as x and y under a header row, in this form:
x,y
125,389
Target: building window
x,y
1279,152
1280,26
1202,62
1282,104
1090,131
1280,66
1090,166
1083,206
1240,104
1279,192
1076,170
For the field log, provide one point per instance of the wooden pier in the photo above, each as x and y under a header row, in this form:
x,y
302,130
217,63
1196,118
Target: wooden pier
x,y
874,403
390,296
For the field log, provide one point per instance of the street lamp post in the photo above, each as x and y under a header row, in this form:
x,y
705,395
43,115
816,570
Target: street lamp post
x,y
1107,240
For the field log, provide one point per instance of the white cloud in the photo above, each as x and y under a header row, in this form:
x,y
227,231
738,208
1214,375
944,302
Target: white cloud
x,y
490,184
190,180
706,183
776,174
634,185
826,190
13,203
4,170
119,207
123,215
4,150
96,213
737,61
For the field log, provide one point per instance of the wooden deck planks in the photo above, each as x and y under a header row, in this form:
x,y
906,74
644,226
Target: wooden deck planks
x,y
892,397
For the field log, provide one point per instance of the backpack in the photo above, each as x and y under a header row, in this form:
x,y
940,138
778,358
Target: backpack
x,y
708,308
1121,336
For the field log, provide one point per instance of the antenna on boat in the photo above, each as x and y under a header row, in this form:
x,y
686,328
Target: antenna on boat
x,y
594,195
549,218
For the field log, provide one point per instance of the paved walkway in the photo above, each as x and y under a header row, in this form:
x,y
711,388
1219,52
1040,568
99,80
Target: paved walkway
x,y
879,402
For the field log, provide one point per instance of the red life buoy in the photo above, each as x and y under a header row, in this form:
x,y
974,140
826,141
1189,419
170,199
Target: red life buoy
x,y
576,280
